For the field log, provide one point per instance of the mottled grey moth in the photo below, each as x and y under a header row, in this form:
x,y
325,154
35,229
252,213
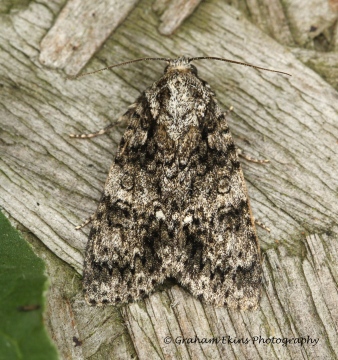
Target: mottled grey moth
x,y
175,204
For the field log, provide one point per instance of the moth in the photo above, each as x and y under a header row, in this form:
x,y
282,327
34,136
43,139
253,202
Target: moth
x,y
175,204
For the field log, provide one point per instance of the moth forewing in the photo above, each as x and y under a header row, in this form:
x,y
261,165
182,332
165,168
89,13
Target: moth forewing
x,y
175,203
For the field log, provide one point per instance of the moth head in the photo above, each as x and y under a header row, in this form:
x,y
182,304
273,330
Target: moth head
x,y
182,64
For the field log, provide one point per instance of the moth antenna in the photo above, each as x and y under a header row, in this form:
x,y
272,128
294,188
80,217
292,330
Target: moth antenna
x,y
238,63
116,65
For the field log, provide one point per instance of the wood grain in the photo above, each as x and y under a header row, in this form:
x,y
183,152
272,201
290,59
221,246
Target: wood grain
x,y
49,183
79,31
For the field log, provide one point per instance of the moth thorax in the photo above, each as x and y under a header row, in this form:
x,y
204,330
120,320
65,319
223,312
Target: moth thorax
x,y
181,64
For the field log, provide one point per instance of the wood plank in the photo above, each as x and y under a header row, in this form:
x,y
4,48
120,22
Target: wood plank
x,y
49,183
80,30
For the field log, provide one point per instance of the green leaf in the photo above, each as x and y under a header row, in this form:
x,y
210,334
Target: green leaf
x,y
23,284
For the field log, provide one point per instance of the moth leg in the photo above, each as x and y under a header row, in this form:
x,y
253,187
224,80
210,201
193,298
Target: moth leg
x,y
122,119
98,133
263,226
257,161
86,222
240,151
249,158
231,108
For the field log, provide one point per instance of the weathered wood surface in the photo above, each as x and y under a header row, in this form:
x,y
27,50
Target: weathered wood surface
x,y
49,183
173,13
80,29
